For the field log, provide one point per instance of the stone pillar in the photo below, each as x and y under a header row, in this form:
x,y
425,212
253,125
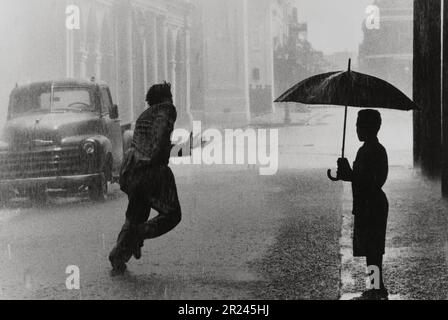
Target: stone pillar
x,y
82,60
154,58
98,63
164,48
270,43
125,64
143,35
427,86
187,53
180,71
444,155
172,61
69,54
245,34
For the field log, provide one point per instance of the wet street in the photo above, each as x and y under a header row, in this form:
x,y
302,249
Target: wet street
x,y
243,236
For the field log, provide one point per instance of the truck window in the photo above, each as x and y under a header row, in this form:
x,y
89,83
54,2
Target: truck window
x,y
106,101
38,99
67,98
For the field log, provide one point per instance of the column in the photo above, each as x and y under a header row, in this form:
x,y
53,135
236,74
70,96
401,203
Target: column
x,y
187,71
445,102
69,54
143,34
427,85
124,62
83,55
98,63
164,55
245,32
154,59
172,62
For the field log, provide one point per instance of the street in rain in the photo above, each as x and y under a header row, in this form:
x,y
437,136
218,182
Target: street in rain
x,y
223,150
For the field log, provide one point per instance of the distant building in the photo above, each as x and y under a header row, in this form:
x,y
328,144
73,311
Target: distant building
x,y
218,54
131,44
233,57
387,52
294,57
339,60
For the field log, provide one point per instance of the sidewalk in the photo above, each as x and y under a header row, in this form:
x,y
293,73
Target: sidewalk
x,y
298,117
416,260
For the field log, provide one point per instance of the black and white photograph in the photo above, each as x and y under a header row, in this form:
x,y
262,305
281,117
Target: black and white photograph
x,y
245,152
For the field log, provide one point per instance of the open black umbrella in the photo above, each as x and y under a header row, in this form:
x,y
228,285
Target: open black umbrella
x,y
349,89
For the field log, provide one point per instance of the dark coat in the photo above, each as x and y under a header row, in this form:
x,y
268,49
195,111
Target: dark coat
x,y
152,134
370,205
151,145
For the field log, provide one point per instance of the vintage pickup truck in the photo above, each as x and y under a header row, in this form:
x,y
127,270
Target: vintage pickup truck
x,y
63,135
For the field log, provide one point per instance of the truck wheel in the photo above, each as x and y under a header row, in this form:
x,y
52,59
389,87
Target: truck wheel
x,y
98,190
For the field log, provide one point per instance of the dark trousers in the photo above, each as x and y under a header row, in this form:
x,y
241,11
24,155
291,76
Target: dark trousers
x,y
152,188
377,260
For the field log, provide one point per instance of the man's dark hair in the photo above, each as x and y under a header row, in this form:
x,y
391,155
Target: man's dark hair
x,y
159,93
370,119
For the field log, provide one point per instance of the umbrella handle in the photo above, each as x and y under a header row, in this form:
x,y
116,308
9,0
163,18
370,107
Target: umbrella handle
x,y
331,177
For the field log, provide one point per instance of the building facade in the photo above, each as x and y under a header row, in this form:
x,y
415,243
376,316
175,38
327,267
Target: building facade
x,y
387,52
218,54
130,44
233,57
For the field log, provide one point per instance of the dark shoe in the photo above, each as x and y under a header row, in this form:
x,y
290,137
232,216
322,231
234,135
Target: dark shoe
x,y
118,270
139,239
373,294
382,294
137,251
118,258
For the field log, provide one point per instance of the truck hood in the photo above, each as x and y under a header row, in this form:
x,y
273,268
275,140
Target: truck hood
x,y
48,128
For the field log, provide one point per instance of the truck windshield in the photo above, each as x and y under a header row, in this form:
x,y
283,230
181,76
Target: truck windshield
x,y
41,101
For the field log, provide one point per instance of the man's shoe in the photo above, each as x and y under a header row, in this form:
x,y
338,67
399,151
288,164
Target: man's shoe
x,y
118,259
139,239
382,294
137,251
373,294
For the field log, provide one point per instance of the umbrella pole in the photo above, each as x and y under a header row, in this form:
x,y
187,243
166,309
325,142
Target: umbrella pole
x,y
344,133
345,114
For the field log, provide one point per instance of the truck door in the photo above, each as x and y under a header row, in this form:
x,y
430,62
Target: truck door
x,y
113,129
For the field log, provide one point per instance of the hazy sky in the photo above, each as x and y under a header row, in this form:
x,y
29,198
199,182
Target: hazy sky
x,y
334,25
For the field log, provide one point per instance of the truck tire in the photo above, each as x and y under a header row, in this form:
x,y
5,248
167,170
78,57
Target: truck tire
x,y
99,188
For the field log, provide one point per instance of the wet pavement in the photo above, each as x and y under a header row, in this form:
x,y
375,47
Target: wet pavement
x,y
243,236
416,259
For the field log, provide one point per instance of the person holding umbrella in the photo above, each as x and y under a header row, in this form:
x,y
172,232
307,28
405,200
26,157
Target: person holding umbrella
x,y
370,204
370,169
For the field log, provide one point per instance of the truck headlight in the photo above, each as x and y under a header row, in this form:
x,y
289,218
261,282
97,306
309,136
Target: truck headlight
x,y
89,147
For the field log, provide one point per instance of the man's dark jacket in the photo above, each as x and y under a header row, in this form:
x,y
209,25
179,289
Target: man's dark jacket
x,y
151,145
